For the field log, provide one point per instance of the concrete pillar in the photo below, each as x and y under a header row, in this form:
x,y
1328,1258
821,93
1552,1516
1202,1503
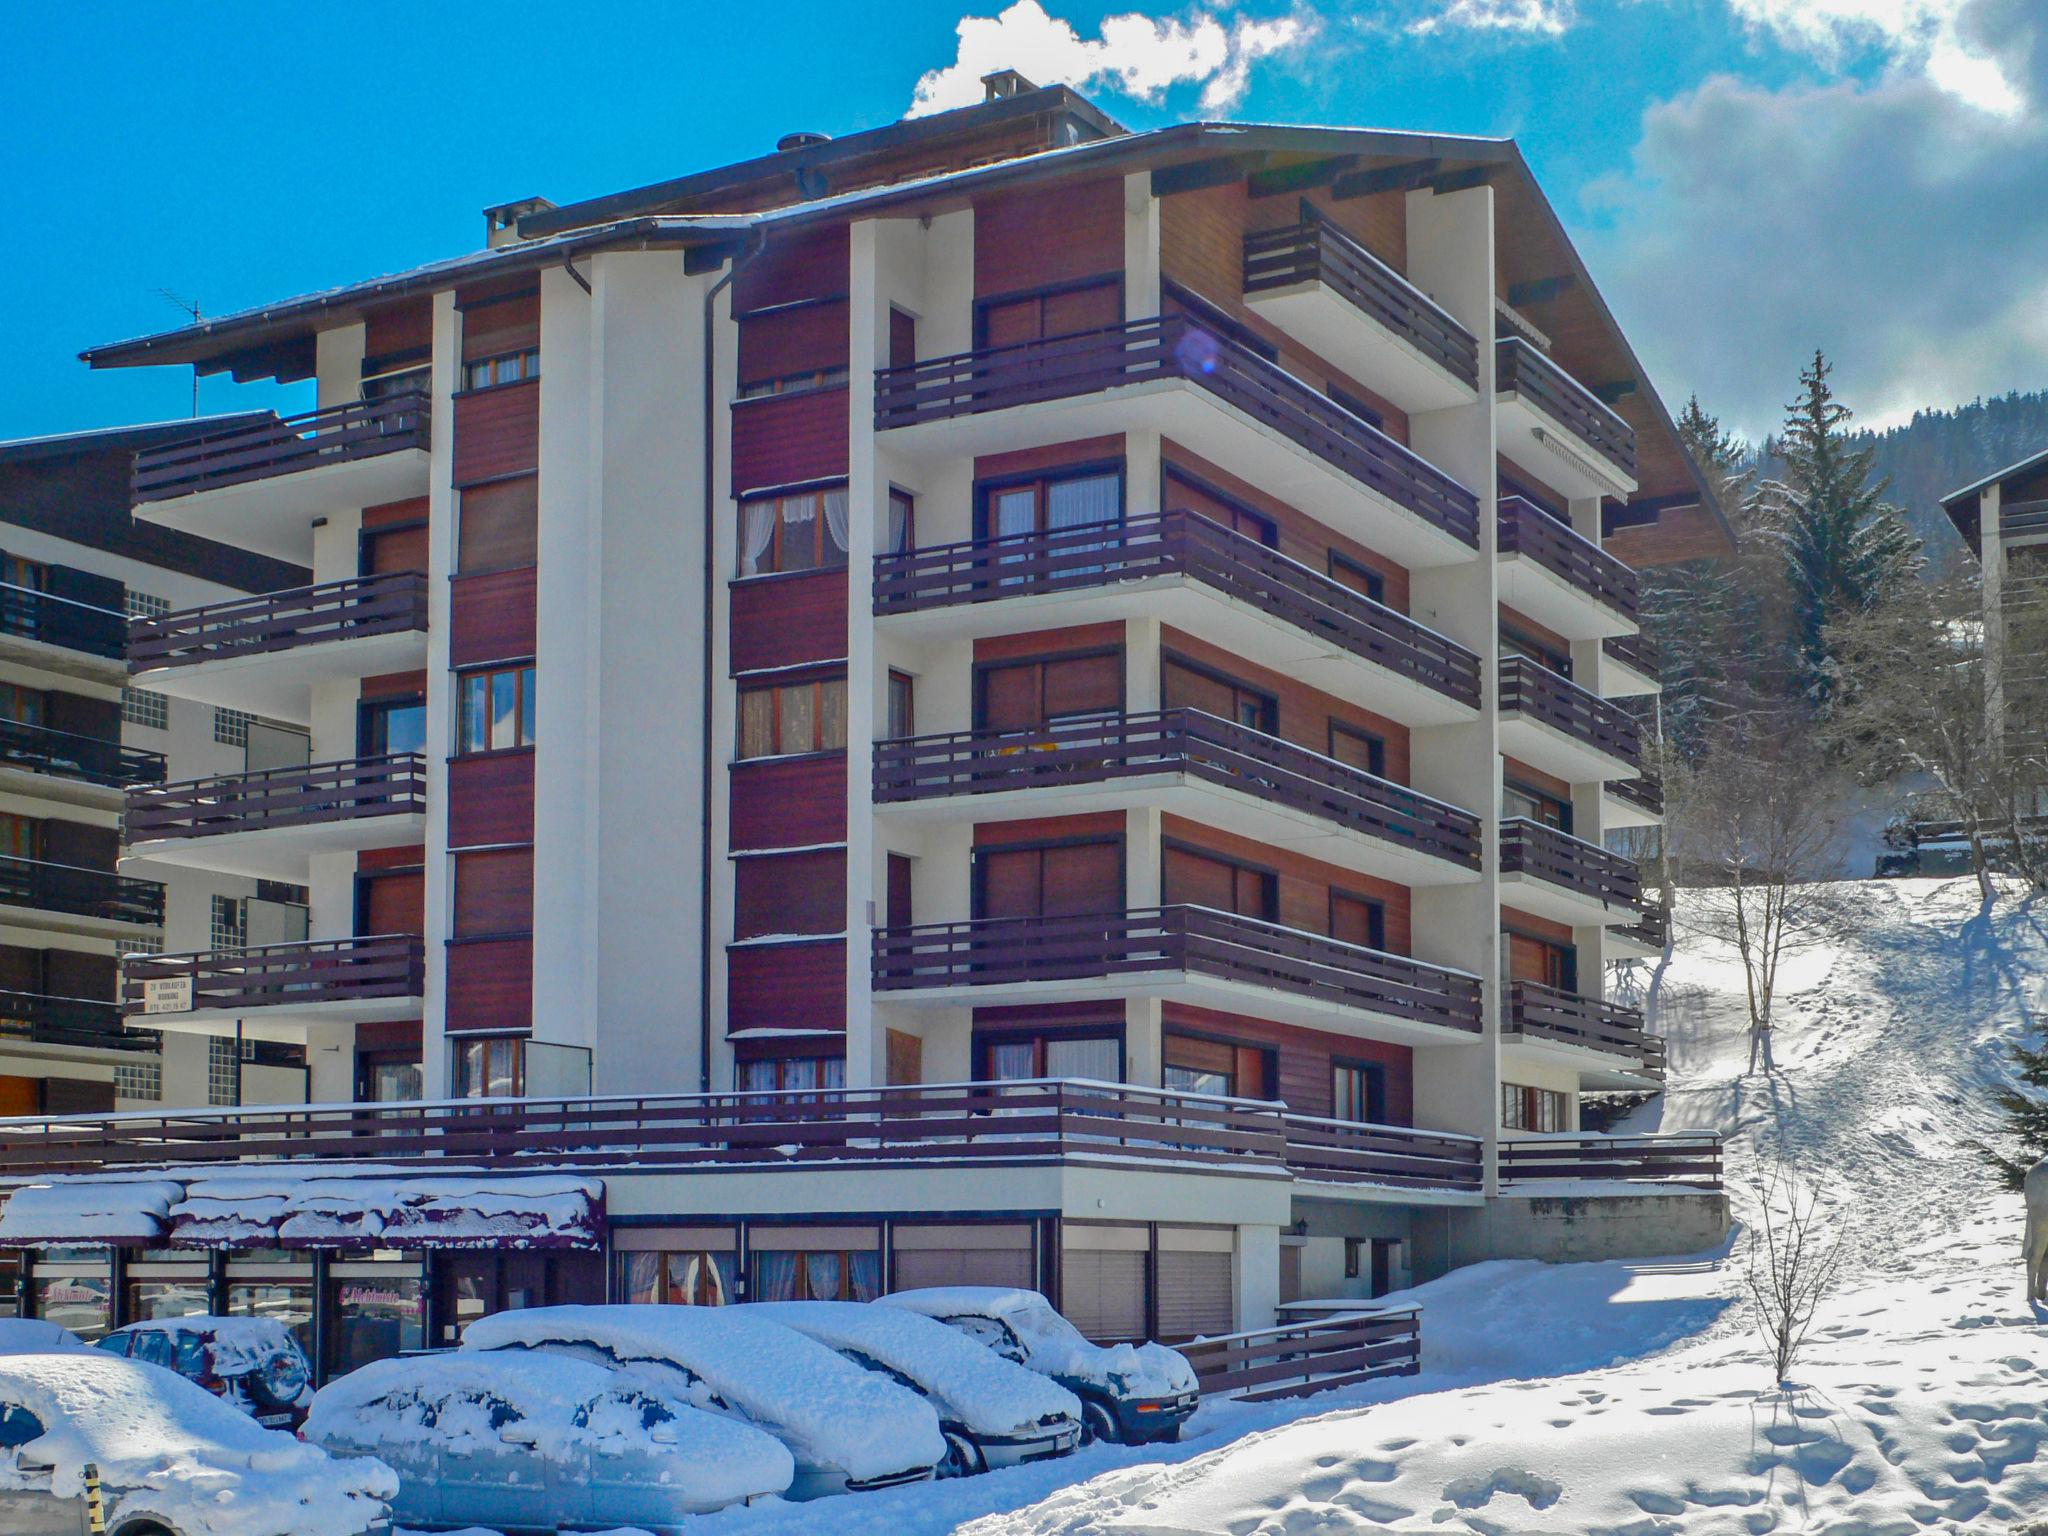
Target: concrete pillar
x,y
1141,247
440,707
1990,524
1258,1277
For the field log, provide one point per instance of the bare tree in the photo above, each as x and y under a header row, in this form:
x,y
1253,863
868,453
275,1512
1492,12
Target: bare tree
x,y
1793,1260
1759,833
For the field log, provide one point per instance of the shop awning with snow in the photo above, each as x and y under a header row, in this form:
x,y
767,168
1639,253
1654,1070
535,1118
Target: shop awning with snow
x,y
89,1210
275,1208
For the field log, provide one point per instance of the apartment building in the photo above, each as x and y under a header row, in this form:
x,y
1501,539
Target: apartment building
x,y
2003,518
1018,700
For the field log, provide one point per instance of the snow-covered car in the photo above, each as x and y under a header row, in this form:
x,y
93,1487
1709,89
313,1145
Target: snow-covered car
x,y
518,1441
33,1336
848,1428
252,1362
993,1413
1136,1394
172,1459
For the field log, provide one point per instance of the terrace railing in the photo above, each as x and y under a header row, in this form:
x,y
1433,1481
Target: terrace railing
x,y
1347,1152
1519,368
1188,741
354,609
1645,791
280,446
1526,529
77,891
1298,1359
392,785
1529,688
62,621
71,1021
1637,651
284,975
67,755
1530,848
1684,1158
1550,1013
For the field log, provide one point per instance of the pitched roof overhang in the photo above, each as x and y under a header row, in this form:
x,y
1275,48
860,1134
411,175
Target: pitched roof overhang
x,y
1964,506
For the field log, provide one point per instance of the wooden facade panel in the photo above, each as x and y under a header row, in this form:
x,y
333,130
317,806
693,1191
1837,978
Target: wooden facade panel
x,y
786,986
804,338
491,617
1201,237
790,893
1303,1058
497,432
1303,885
490,984
803,264
784,621
412,510
1048,829
1025,461
1038,237
397,329
788,802
490,799
788,439
1049,642
413,856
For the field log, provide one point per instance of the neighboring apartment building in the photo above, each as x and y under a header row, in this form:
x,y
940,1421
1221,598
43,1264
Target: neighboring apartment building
x,y
990,600
2003,518
74,565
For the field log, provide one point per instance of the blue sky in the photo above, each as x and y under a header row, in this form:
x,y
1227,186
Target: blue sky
x,y
1747,178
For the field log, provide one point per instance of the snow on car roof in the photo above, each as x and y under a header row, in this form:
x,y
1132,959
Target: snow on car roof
x,y
965,1300
173,1451
239,1343
965,1379
826,1409
34,1336
1056,1345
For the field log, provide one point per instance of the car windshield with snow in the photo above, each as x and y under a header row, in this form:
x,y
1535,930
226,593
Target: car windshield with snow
x,y
169,1456
1132,1393
994,1413
252,1362
848,1428
516,1441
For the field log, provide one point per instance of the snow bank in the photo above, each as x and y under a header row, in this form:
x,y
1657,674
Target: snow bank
x,y
966,1381
277,1207
828,1411
88,1209
1055,1345
173,1452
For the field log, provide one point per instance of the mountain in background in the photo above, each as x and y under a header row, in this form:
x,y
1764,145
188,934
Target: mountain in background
x,y
1941,451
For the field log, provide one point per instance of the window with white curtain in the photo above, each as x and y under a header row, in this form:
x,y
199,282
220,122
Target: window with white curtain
x,y
804,531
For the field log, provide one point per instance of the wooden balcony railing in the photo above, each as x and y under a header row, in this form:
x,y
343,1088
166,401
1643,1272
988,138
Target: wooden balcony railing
x,y
1315,250
1549,1013
1637,651
354,609
394,785
1188,741
1169,544
73,1021
80,892
280,446
957,1124
1532,689
1176,347
1345,1152
1298,1359
1646,791
1557,858
1656,1057
1691,1157
1526,529
1519,368
1011,951
1652,929
29,614
285,975
67,755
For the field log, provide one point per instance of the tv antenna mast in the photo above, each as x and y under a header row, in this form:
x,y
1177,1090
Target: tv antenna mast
x,y
190,307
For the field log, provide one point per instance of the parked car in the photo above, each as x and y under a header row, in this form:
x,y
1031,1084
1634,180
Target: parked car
x,y
992,1412
848,1429
33,1336
1136,1394
517,1441
252,1362
172,1459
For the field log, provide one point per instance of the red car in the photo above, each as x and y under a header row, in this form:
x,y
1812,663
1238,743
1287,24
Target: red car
x,y
252,1362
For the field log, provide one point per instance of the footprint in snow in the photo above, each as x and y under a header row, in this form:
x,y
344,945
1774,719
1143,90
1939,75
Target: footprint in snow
x,y
1477,1492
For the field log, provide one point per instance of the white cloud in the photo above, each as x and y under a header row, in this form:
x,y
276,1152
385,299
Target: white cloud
x,y
1536,18
1914,36
1139,55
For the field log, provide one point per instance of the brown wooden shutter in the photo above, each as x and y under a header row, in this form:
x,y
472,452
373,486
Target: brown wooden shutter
x,y
1182,687
21,970
1193,879
395,903
1082,309
1354,921
75,1096
1010,698
806,338
400,549
490,329
1199,1055
1084,685
790,893
69,973
1086,877
73,842
493,892
1005,325
498,525
1009,883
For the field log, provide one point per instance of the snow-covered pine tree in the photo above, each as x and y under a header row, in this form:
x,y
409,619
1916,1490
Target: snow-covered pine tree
x,y
2025,1108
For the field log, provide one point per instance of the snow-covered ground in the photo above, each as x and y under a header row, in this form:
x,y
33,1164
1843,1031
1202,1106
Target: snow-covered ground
x,y
1631,1399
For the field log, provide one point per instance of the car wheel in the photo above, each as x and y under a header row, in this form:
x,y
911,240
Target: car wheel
x,y
1096,1423
962,1459
151,1529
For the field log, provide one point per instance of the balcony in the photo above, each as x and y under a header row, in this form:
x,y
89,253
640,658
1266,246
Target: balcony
x,y
1317,283
1199,388
1564,878
1196,575
263,655
259,486
1190,764
358,979
60,634
1382,1159
69,898
269,824
1689,1158
1649,935
62,765
1557,727
78,1023
1635,802
1557,429
1563,581
1183,954
1631,664
1596,1035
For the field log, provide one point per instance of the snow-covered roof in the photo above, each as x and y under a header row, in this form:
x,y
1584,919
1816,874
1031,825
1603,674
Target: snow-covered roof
x,y
279,1207
88,1208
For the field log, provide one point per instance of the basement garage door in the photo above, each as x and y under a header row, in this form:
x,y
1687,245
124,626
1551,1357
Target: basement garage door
x,y
1102,1280
962,1255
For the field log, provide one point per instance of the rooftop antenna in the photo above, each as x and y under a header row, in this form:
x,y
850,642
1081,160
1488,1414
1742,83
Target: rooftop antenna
x,y
190,307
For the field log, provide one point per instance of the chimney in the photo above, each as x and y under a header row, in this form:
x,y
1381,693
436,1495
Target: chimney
x,y
790,141
1004,82
501,222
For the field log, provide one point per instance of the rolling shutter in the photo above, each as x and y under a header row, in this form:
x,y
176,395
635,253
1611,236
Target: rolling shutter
x,y
973,1255
798,339
1102,1281
1194,1283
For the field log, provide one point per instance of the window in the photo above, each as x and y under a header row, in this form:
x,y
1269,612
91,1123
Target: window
x,y
1182,686
19,836
413,378
1067,311
1358,920
141,1078
791,383
801,532
817,1274
141,707
23,705
228,928
490,1068
223,1070
1358,576
505,368
144,605
1026,695
1191,878
786,719
495,709
1068,879
901,533
1049,503
1193,1065
385,727
1358,749
1532,1109
1543,961
497,526
790,1074
393,1082
230,727
1527,802
902,714
493,893
1358,1093
1098,1057
697,1278
1515,642
143,946
29,575
1184,493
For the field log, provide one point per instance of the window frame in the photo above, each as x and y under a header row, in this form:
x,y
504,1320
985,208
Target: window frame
x,y
1374,1076
977,875
1267,533
1268,876
1041,482
823,539
494,362
460,1047
1268,701
986,1041
900,686
374,708
1376,747
819,682
525,711
985,304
